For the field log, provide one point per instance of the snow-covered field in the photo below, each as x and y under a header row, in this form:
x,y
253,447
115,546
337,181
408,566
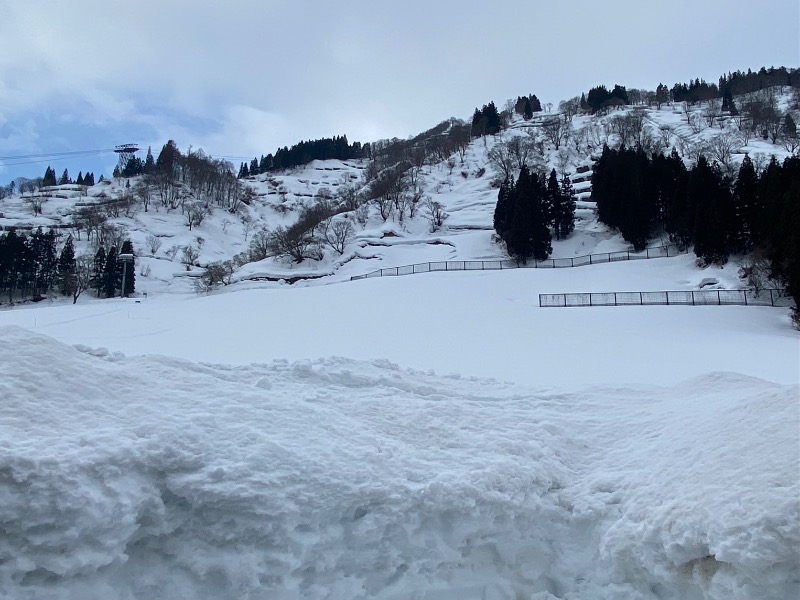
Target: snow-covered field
x,y
470,445
428,437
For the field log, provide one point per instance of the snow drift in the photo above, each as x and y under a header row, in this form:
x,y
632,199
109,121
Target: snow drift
x,y
152,477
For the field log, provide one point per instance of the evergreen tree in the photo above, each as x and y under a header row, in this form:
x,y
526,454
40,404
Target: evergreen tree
x,y
504,208
149,162
745,208
98,266
64,178
49,178
79,179
527,112
528,233
552,198
493,121
67,268
603,173
564,214
639,200
130,275
254,166
112,275
662,95
167,161
714,213
133,167
666,173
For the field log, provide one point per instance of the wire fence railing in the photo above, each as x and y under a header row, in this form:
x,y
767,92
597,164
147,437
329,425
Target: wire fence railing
x,y
768,297
550,263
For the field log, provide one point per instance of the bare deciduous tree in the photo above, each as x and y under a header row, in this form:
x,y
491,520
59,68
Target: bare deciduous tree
x,y
713,110
510,156
296,243
722,147
563,160
153,243
195,213
569,108
214,275
665,133
82,280
338,233
555,131
189,256
697,123
436,214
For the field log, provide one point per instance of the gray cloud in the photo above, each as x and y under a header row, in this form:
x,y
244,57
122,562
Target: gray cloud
x,y
247,76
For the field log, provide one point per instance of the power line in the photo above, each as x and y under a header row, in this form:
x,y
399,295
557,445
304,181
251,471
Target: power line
x,y
48,160
48,154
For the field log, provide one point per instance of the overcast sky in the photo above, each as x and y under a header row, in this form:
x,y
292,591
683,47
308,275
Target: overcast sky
x,y
244,77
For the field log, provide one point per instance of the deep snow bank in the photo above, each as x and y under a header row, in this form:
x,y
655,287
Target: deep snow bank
x,y
152,477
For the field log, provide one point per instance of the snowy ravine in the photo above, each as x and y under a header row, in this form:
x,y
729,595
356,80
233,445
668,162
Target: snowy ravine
x,y
154,477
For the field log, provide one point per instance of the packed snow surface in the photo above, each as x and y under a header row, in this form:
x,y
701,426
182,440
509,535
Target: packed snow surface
x,y
155,477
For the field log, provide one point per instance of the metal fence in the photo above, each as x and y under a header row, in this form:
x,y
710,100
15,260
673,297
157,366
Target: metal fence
x,y
770,297
550,263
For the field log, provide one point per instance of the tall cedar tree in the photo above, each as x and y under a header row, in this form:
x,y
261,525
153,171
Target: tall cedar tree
x,y
45,260
149,162
528,233
746,209
714,213
564,212
98,265
49,178
67,268
112,275
504,208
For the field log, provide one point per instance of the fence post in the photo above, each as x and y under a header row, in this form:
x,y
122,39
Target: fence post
x,y
771,299
692,297
641,299
590,259
615,299
629,255
744,293
719,299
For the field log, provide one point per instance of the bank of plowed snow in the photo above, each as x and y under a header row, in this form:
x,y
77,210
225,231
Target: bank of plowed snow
x,y
153,477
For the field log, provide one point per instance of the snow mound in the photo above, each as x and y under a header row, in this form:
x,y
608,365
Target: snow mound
x,y
153,477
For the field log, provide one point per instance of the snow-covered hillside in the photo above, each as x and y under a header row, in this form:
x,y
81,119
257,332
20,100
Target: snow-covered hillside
x,y
462,185
432,437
